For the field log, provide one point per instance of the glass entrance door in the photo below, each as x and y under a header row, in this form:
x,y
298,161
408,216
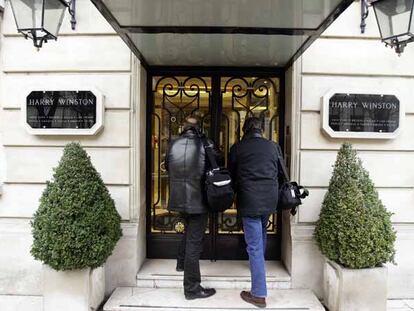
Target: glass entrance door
x,y
221,103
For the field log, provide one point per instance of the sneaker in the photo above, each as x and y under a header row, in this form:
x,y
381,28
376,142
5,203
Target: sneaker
x,y
257,301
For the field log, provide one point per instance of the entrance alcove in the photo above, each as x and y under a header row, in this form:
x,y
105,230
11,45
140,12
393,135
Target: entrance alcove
x,y
221,61
221,98
226,267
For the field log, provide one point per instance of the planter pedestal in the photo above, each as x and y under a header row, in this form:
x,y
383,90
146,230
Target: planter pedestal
x,y
354,289
80,290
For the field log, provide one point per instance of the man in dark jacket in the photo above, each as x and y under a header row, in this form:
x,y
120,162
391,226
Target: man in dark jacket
x,y
186,165
253,163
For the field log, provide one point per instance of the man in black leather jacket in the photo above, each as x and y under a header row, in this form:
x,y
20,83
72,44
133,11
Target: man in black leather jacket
x,y
186,165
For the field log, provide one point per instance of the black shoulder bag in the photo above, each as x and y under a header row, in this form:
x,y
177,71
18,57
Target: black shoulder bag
x,y
290,193
219,191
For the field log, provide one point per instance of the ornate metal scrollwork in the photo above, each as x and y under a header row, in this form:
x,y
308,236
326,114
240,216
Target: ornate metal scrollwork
x,y
248,97
177,98
229,223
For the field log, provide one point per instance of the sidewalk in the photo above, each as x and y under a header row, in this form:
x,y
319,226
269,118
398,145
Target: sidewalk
x,y
400,305
392,305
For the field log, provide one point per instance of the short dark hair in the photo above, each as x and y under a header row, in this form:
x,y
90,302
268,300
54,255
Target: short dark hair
x,y
252,123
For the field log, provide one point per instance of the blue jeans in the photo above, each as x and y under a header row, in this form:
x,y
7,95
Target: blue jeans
x,y
255,236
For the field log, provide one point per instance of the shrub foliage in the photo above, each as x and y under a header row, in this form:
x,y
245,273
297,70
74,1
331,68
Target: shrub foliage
x,y
354,228
76,225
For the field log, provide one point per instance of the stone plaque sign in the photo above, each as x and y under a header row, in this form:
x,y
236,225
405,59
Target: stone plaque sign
x,y
361,115
63,112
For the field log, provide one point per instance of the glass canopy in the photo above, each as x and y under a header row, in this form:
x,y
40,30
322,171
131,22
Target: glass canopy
x,y
217,49
220,32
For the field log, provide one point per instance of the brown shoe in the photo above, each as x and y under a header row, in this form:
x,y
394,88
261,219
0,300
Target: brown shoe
x,y
257,301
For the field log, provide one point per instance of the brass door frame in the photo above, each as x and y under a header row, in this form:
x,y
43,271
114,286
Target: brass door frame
x,y
164,246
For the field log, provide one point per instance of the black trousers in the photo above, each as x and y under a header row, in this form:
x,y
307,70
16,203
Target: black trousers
x,y
190,250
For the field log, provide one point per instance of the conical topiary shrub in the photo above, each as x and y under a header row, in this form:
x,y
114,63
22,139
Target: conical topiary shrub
x,y
354,228
76,225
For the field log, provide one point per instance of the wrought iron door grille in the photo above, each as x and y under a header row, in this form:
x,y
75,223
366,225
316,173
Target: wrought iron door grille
x,y
175,98
243,97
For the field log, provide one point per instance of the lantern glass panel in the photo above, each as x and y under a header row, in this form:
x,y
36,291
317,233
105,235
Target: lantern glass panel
x,y
27,13
393,17
54,13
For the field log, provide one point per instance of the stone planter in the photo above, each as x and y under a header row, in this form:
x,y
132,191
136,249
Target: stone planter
x,y
80,290
354,289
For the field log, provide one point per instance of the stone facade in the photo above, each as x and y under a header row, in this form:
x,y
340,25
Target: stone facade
x,y
91,56
95,56
342,58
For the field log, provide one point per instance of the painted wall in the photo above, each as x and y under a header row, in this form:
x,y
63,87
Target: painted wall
x,y
91,56
344,59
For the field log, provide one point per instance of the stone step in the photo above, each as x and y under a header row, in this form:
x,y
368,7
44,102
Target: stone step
x,y
172,299
227,274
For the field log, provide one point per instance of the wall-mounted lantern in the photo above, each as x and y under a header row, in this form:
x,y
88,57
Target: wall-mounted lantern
x,y
394,19
40,20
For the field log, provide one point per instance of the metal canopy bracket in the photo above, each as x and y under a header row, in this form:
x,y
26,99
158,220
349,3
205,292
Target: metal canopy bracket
x,y
72,12
163,39
364,15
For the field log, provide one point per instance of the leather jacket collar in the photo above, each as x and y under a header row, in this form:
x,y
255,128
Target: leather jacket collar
x,y
189,132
